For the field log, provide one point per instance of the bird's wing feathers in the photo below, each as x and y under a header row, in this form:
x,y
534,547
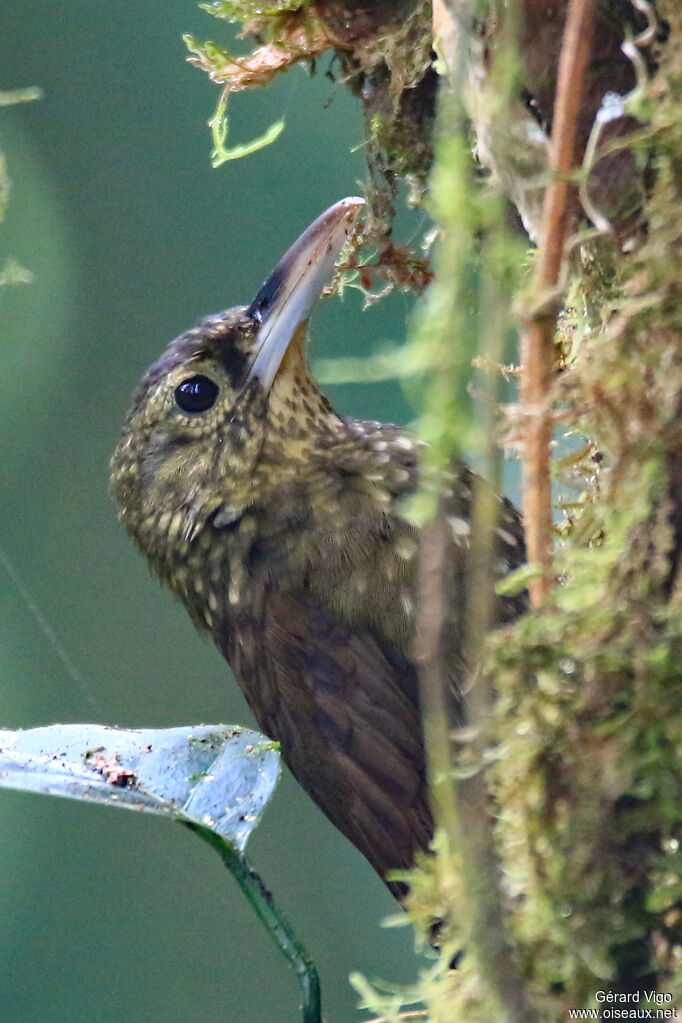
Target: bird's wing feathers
x,y
342,698
345,713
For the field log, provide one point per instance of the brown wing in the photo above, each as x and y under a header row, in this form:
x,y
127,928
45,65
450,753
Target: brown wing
x,y
344,707
343,699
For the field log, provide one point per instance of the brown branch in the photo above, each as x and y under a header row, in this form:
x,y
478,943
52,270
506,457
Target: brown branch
x,y
537,341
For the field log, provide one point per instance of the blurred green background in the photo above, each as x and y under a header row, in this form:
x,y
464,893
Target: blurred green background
x,y
131,237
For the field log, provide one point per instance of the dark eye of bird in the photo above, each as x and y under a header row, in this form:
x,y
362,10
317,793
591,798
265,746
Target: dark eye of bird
x,y
196,394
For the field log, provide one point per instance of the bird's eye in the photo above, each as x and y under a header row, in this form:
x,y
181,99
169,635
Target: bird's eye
x,y
196,394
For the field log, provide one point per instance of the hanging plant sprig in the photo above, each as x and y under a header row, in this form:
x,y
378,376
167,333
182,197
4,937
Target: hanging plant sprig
x,y
220,126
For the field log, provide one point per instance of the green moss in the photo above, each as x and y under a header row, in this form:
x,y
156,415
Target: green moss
x,y
236,12
583,752
589,784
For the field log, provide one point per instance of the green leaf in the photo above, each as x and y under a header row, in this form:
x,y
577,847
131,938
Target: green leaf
x,y
9,98
12,272
214,779
216,776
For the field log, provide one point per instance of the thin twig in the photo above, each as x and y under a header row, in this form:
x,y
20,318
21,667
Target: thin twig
x,y
537,341
272,919
433,683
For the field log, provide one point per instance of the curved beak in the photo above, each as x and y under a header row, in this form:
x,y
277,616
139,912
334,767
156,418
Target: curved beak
x,y
286,297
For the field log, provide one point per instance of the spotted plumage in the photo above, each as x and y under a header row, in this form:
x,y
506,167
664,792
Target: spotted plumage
x,y
278,524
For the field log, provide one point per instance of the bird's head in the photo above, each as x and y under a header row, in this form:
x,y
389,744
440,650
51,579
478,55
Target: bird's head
x,y
231,412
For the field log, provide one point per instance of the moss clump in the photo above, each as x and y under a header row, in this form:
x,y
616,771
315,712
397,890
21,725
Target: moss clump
x,y
245,9
583,747
588,730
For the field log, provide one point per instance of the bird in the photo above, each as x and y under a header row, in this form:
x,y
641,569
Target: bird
x,y
281,526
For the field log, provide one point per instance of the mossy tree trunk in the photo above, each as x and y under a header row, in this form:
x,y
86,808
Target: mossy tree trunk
x,y
582,750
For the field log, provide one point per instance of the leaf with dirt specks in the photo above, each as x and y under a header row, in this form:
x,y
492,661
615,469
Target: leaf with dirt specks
x,y
217,776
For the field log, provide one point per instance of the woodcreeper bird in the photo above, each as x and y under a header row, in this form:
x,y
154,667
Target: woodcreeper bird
x,y
280,525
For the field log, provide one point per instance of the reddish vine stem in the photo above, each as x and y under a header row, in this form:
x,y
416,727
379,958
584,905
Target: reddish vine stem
x,y
537,340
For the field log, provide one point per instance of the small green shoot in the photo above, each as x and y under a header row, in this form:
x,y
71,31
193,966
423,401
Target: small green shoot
x,y
219,125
